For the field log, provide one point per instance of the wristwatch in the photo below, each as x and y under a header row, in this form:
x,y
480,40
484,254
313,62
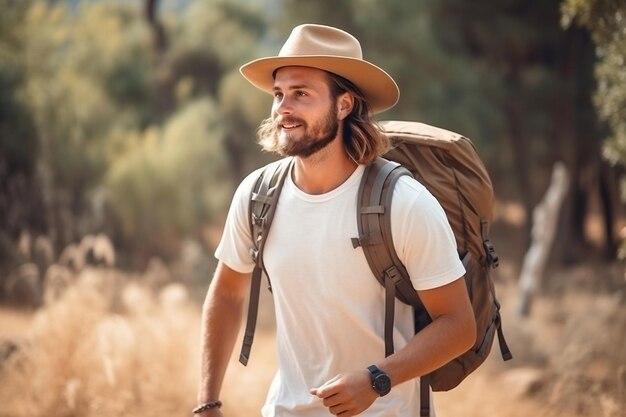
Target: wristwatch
x,y
380,380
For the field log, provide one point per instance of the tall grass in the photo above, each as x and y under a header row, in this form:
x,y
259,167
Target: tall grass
x,y
105,347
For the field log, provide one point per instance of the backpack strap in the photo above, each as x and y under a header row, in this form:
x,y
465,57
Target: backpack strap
x,y
425,395
263,202
493,262
374,226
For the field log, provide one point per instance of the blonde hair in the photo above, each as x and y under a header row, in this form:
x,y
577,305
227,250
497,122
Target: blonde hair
x,y
362,136
266,134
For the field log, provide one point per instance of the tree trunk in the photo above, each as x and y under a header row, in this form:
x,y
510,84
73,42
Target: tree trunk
x,y
519,142
545,221
45,175
609,195
159,37
164,78
578,140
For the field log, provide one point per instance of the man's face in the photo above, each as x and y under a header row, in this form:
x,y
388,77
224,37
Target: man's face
x,y
304,113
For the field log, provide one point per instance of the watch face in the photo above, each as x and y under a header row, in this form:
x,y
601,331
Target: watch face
x,y
382,384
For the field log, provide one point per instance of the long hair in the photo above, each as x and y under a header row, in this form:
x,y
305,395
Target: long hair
x,y
362,136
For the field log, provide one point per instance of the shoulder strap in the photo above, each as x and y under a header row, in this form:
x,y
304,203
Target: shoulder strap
x,y
374,225
263,201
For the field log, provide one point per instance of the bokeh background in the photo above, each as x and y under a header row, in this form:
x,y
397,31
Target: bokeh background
x,y
125,127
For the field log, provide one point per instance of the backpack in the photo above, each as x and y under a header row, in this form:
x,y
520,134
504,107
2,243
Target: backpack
x,y
448,165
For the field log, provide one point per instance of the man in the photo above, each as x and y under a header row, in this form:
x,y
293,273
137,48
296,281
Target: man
x,y
329,307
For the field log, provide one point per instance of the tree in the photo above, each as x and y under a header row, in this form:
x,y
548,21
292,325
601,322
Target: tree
x,y
205,29
19,202
71,82
169,182
606,21
88,86
544,83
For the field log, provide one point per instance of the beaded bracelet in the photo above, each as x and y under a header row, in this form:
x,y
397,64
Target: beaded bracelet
x,y
207,406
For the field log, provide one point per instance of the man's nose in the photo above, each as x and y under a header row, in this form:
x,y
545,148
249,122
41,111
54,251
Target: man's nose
x,y
283,106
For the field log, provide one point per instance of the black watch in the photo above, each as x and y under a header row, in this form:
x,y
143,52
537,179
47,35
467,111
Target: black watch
x,y
380,380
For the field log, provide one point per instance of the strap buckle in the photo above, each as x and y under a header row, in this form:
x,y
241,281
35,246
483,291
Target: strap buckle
x,y
259,221
393,274
492,256
254,253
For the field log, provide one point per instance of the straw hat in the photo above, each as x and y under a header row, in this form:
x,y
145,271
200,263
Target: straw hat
x,y
328,49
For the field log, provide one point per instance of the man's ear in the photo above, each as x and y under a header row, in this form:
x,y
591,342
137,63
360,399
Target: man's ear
x,y
345,104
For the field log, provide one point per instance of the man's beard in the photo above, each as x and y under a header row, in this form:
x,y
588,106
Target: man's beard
x,y
311,140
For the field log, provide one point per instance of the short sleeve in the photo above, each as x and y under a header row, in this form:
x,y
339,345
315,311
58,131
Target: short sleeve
x,y
422,236
236,241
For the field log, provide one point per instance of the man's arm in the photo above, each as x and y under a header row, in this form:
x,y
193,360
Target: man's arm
x,y
222,314
451,333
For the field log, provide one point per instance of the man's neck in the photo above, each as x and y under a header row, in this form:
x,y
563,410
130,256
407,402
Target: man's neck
x,y
325,170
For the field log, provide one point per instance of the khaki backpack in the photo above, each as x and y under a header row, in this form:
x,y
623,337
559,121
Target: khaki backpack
x,y
448,165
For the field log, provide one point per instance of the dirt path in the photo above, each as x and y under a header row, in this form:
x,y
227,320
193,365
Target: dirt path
x,y
489,393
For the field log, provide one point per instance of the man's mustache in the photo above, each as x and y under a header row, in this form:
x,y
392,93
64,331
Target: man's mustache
x,y
287,121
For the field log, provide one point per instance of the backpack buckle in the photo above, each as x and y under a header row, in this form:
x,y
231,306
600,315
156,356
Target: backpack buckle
x,y
259,221
492,256
393,274
254,253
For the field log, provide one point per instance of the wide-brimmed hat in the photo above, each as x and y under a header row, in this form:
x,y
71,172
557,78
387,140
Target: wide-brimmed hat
x,y
329,49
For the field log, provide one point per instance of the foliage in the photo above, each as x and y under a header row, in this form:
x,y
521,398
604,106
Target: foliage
x,y
606,19
170,179
68,65
113,134
11,76
17,136
101,130
66,61
206,28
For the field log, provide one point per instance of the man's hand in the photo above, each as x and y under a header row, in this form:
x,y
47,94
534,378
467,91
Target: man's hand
x,y
347,394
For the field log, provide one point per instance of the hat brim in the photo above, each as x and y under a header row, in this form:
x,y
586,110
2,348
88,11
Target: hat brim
x,y
379,89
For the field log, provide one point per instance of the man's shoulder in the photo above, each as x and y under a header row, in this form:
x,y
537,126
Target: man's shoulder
x,y
247,185
408,188
411,196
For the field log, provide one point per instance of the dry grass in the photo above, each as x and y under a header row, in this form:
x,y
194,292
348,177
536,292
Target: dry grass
x,y
108,344
101,348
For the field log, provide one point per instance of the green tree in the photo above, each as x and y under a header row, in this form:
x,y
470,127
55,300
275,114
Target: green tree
x,y
88,86
68,69
18,197
215,38
606,21
543,89
170,181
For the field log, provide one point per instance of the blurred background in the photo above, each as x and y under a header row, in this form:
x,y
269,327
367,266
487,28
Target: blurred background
x,y
125,128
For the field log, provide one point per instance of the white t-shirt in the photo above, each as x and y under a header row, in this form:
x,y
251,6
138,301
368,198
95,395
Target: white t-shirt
x,y
329,306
